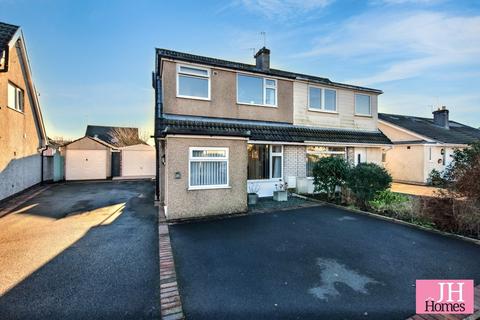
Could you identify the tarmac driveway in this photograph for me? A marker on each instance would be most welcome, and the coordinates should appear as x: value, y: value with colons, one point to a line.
x: 311, y: 263
x: 81, y: 251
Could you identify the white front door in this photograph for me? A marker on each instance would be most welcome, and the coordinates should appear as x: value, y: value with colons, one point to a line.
x: 360, y: 155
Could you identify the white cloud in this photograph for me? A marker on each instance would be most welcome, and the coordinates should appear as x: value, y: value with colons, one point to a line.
x: 412, y: 43
x: 283, y: 9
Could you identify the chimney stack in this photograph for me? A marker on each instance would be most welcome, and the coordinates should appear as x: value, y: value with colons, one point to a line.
x: 262, y: 58
x: 440, y: 117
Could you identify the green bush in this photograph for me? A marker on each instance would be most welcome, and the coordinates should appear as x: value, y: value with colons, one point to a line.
x: 436, y: 179
x: 392, y: 203
x: 328, y: 173
x: 366, y: 180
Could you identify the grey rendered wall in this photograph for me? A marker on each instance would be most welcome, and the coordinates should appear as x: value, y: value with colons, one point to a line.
x: 19, y: 174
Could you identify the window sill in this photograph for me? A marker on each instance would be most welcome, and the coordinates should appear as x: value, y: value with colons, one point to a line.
x: 265, y: 180
x: 363, y: 115
x: 322, y: 111
x: 21, y: 112
x: 208, y: 188
x: 193, y: 98
x: 256, y: 105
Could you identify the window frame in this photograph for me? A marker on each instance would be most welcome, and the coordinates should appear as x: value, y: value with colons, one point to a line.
x: 369, y: 104
x: 193, y: 75
x: 344, y: 153
x: 275, y: 154
x: 19, y: 106
x: 264, y: 91
x: 322, y: 99
x: 191, y: 159
x: 271, y: 154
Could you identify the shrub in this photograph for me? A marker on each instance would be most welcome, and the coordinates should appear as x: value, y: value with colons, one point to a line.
x: 392, y: 203
x: 366, y: 180
x: 436, y: 179
x: 464, y: 172
x: 461, y: 216
x: 328, y: 173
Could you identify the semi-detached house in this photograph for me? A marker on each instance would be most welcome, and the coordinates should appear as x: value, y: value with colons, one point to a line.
x: 222, y: 126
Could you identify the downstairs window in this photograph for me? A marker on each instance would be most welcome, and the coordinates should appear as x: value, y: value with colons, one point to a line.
x: 208, y: 168
x: 315, y: 152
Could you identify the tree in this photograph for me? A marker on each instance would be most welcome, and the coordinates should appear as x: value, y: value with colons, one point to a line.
x: 463, y: 174
x: 328, y: 173
x: 366, y: 180
x: 125, y: 136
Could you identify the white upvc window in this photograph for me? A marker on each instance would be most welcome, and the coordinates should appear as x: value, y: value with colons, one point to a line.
x: 265, y: 162
x: 208, y: 168
x: 257, y: 91
x: 363, y: 104
x: 322, y: 99
x: 15, y: 97
x: 193, y: 82
x: 314, y: 153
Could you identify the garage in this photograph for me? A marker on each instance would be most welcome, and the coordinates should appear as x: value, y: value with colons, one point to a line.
x: 87, y: 159
x: 138, y: 161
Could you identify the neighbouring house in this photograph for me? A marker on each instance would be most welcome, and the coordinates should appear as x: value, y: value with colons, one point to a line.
x: 22, y: 132
x: 223, y: 127
x: 109, y: 152
x: 421, y: 145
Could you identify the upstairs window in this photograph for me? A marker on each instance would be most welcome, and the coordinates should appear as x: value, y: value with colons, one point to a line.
x: 320, y: 99
x: 256, y: 90
x: 15, y: 97
x: 193, y: 82
x: 363, y: 104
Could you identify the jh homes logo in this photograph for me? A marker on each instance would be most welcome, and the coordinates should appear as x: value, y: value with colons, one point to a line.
x: 444, y: 296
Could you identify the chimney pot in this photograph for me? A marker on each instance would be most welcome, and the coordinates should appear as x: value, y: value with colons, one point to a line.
x: 441, y: 117
x: 262, y: 58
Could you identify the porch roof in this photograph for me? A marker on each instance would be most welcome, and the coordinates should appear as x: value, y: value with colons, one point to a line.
x: 264, y: 131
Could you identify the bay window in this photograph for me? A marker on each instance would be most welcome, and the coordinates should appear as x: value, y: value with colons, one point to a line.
x: 314, y: 153
x: 193, y: 82
x: 322, y: 99
x: 363, y: 104
x: 256, y: 90
x: 208, y: 168
x: 265, y: 162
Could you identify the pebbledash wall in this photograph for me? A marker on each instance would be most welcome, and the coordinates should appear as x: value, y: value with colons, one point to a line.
x: 184, y: 203
x: 20, y: 138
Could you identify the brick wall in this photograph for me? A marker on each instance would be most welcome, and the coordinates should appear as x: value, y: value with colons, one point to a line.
x: 294, y: 161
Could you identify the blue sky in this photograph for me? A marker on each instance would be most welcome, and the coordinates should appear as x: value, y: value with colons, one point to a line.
x: 92, y: 60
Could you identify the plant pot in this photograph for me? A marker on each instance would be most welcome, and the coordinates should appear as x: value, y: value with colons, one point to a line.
x: 252, y: 199
x: 280, y: 195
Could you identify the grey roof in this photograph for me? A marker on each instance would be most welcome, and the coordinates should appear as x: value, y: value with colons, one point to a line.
x: 457, y: 134
x: 106, y: 134
x: 166, y: 53
x: 6, y: 33
x: 264, y: 131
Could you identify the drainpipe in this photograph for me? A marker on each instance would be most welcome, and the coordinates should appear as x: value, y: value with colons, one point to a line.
x: 41, y: 162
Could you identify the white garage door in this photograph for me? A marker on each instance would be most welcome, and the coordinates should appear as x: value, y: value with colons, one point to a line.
x: 86, y: 164
x: 138, y: 163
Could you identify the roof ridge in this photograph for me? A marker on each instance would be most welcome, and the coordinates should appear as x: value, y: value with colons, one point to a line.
x: 253, y: 68
x: 9, y: 24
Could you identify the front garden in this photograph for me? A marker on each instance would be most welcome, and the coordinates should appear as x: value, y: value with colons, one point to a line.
x: 455, y: 209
